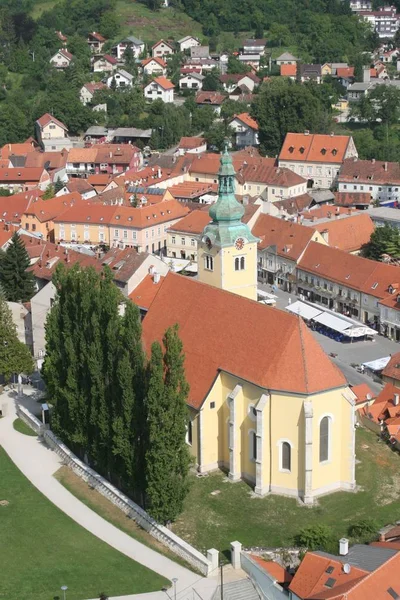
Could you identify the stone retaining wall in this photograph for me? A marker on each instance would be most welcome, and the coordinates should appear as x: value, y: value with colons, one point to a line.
x: 206, y: 565
x: 29, y: 419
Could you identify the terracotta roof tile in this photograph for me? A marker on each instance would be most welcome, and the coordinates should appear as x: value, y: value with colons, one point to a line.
x: 123, y: 263
x: 47, y: 160
x: 110, y: 59
x: 345, y: 72
x: 314, y: 147
x: 144, y: 294
x: 295, y: 204
x: 290, y: 239
x: 50, y: 255
x: 94, y: 86
x: 155, y: 59
x: 21, y: 174
x: 48, y: 118
x: 193, y: 223
x: 347, y: 233
x: 377, y: 584
x: 5, y: 235
x: 97, y: 36
x: 363, y: 393
x: 289, y: 358
x: 24, y: 149
x: 392, y: 369
x: 188, y: 143
x: 192, y: 189
x: 369, y: 172
x: 288, y: 70
x: 213, y: 98
x: 247, y: 120
x: 273, y: 568
x: 148, y: 216
x: 48, y: 210
x: 163, y: 82
x: 163, y: 42
x: 352, y: 198
x: 85, y: 212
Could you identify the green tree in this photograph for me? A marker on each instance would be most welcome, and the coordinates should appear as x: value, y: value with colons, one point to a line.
x: 235, y: 66
x: 59, y: 184
x: 315, y: 537
x: 216, y: 137
x: 18, y: 283
x: 167, y: 456
x: 15, y: 357
x: 49, y: 192
x: 384, y: 240
x: 279, y: 35
x: 211, y: 82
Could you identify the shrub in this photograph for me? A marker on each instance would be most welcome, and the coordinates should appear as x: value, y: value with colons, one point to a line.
x: 362, y: 527
x: 315, y: 537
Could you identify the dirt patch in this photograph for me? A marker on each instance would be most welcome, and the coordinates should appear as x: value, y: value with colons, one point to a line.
x: 4, y: 503
x: 389, y: 492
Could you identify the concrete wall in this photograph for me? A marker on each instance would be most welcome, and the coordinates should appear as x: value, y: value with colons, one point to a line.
x: 265, y: 583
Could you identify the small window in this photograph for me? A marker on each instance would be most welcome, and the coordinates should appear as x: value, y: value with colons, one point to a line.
x: 324, y: 440
x: 189, y: 436
x: 286, y: 456
x: 173, y: 240
x: 253, y: 445
x: 212, y: 404
x: 208, y: 262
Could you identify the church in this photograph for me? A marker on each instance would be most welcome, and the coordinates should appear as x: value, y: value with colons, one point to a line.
x: 266, y: 403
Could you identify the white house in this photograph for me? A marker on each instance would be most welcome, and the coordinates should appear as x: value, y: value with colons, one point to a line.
x: 162, y: 48
x: 188, y: 42
x: 61, y: 59
x: 254, y: 46
x: 191, y: 81
x: 160, y: 88
x: 122, y: 79
x: 105, y: 64
x: 246, y: 130
x: 88, y: 90
x: 52, y: 134
x: 96, y: 42
x: 378, y: 178
x: 286, y: 59
x: 132, y: 42
x: 154, y: 66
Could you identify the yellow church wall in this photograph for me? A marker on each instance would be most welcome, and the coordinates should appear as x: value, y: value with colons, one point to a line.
x: 213, y: 277
x: 213, y: 429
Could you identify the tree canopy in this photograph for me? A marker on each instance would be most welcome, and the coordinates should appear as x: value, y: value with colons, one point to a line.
x: 15, y: 357
x: 384, y: 240
x: 18, y: 283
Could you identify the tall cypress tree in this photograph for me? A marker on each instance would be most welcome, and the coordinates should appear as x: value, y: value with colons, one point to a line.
x: 15, y: 357
x: 17, y: 282
x: 167, y: 455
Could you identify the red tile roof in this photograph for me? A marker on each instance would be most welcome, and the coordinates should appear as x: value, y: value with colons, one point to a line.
x: 94, y: 86
x: 345, y: 72
x: 97, y: 36
x: 392, y: 369
x: 110, y: 59
x: 5, y: 235
x: 47, y: 160
x: 193, y: 223
x: 156, y: 59
x: 87, y: 212
x: 48, y: 118
x: 120, y: 154
x: 247, y: 120
x: 368, y: 276
x: 65, y: 53
x: 314, y: 148
x: 144, y: 294
x: 50, y: 255
x: 288, y: 70
x: 377, y: 584
x: 188, y: 143
x: 290, y: 239
x: 289, y: 358
x: 48, y: 210
x: 213, y: 98
x: 21, y: 174
x: 369, y: 172
x: 163, y: 82
x: 347, y: 233
x: 273, y: 568
x: 311, y: 577
x: 23, y: 149
x: 363, y: 393
x: 352, y: 198
x: 192, y: 189
x: 295, y: 204
x: 13, y: 207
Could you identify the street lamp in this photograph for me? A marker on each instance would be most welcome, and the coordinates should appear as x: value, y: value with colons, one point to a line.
x: 64, y: 589
x: 174, y: 581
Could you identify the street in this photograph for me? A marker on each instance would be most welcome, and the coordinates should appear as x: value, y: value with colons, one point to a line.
x: 347, y: 354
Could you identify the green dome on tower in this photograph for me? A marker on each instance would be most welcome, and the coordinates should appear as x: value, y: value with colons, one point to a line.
x: 226, y: 213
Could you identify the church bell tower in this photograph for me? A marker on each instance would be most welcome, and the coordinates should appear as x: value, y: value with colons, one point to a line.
x: 227, y: 256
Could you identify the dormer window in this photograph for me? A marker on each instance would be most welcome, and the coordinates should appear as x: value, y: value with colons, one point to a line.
x: 334, y: 152
x: 398, y: 298
x: 291, y: 149
x: 302, y: 149
x: 323, y: 151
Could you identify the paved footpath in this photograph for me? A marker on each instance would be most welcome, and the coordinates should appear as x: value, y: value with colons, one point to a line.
x: 39, y: 463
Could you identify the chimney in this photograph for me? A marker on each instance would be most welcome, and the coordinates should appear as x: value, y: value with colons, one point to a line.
x: 306, y: 132
x: 151, y: 270
x: 156, y: 277
x: 385, y: 166
x: 332, y: 133
x: 343, y: 547
x: 366, y: 75
x: 396, y: 399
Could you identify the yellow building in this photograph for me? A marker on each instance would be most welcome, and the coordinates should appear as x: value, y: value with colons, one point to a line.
x: 266, y: 403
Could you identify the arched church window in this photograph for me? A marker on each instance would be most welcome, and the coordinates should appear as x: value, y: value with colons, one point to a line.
x: 324, y: 432
x: 237, y: 263
x: 286, y: 456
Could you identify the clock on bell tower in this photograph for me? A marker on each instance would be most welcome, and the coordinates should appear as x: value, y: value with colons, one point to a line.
x: 227, y: 256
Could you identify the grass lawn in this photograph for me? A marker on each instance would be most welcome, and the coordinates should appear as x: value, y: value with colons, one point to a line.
x: 40, y: 7
x: 151, y: 26
x: 42, y: 549
x: 22, y: 427
x: 213, y: 521
x: 103, y: 507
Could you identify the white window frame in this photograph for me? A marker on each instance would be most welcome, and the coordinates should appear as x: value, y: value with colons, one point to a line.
x: 280, y: 446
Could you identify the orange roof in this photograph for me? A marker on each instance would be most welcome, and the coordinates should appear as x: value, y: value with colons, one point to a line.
x: 383, y: 403
x: 50, y: 255
x: 290, y: 239
x: 13, y: 207
x: 315, y: 570
x: 273, y: 568
x: 345, y: 72
x: 94, y: 86
x: 377, y: 584
x: 188, y: 143
x: 163, y: 82
x: 213, y: 98
x: 103, y: 153
x: 47, y: 210
x: 247, y: 120
x: 17, y: 149
x: 363, y: 393
x: 148, y: 216
x: 48, y: 160
x: 194, y: 222
x: 314, y: 148
x: 288, y: 70
x: 192, y: 189
x: 99, y: 179
x: 48, y: 118
x: 84, y: 212
x: 163, y: 42
x: 82, y: 155
x: 5, y: 235
x: 21, y: 174
x: 156, y: 59
x: 288, y: 359
x: 348, y: 233
x: 143, y: 295
x: 392, y: 369
x: 368, y: 276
